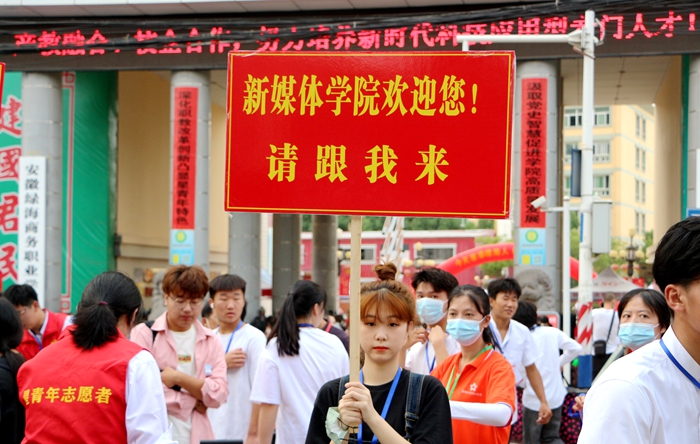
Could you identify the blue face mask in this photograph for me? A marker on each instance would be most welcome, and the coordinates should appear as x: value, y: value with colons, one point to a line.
x: 464, y: 331
x: 634, y: 335
x: 430, y: 310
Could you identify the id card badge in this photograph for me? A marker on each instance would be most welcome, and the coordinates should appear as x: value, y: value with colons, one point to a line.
x: 207, y: 370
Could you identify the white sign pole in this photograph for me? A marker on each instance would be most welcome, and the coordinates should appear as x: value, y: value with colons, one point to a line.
x: 355, y: 269
x: 32, y: 224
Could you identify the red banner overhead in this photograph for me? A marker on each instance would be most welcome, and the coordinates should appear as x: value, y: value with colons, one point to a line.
x: 415, y: 134
x: 2, y: 79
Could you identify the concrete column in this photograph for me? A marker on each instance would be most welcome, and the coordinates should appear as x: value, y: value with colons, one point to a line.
x: 42, y: 113
x: 693, y: 165
x: 668, y: 147
x: 286, y: 256
x: 531, y: 275
x: 324, y: 264
x: 244, y: 256
x: 201, y: 80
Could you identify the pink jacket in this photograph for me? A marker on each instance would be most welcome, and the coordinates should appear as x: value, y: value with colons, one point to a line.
x: 210, y: 365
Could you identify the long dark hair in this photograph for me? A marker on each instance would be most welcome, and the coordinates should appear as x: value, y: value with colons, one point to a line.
x: 299, y: 303
x: 11, y: 332
x: 652, y: 299
x: 106, y: 298
x: 481, y: 300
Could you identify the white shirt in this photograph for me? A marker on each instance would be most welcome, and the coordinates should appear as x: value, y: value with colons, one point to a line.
x: 240, y: 382
x: 292, y: 382
x: 643, y: 398
x: 550, y: 340
x: 518, y: 347
x: 184, y: 344
x: 416, y: 360
x: 601, y: 324
x: 146, y: 415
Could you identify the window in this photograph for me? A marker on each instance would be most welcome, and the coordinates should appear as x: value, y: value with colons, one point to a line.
x: 637, y: 125
x: 601, y: 151
x: 637, y: 157
x: 644, y: 129
x: 438, y: 254
x: 636, y: 190
x: 602, y: 116
x: 368, y: 254
x: 636, y: 221
x: 644, y: 160
x: 601, y: 185
x: 644, y: 192
x: 573, y: 117
x: 644, y: 223
x: 567, y: 184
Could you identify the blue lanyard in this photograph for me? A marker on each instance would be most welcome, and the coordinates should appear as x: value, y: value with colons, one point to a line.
x: 680, y: 367
x: 306, y: 325
x: 36, y: 338
x: 387, y: 403
x: 427, y: 360
x: 231, y: 338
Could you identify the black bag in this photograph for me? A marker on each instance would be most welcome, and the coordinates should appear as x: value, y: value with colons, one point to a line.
x: 600, y: 345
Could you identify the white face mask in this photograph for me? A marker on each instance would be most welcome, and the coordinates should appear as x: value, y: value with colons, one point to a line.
x: 464, y: 331
x: 431, y: 311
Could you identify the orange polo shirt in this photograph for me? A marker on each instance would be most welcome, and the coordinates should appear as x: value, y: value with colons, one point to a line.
x: 489, y: 379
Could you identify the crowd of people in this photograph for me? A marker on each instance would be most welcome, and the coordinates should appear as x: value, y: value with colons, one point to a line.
x: 441, y: 363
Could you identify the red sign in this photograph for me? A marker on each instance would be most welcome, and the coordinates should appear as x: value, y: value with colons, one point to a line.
x: 184, y: 157
x: 533, y: 145
x: 421, y: 134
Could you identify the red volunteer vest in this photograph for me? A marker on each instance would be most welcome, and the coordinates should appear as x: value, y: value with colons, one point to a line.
x: 73, y: 395
x: 29, y: 347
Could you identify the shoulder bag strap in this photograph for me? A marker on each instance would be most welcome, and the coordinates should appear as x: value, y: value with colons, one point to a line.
x: 415, y: 386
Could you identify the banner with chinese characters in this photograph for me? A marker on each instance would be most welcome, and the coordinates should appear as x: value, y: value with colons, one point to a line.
x: 419, y: 134
x: 32, y: 220
x: 10, y: 151
x: 2, y: 76
x: 533, y: 163
x: 184, y: 177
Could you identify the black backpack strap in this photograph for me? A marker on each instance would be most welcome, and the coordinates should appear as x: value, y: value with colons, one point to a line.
x: 341, y: 386
x: 415, y: 387
x: 149, y: 324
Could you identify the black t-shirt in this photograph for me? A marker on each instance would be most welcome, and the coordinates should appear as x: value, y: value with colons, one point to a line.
x: 11, y: 409
x: 434, y: 425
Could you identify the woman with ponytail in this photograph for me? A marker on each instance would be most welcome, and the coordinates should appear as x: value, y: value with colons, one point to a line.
x: 298, y: 360
x: 93, y: 384
x: 390, y: 405
x: 11, y: 410
x: 479, y: 381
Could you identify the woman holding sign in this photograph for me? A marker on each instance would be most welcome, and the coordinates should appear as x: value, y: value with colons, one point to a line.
x: 479, y: 380
x: 415, y: 407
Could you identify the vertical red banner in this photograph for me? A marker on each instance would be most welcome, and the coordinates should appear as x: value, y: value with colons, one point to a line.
x: 2, y: 77
x: 533, y: 151
x: 184, y: 157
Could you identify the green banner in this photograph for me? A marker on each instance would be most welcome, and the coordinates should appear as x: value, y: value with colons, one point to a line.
x: 10, y: 150
x: 89, y: 178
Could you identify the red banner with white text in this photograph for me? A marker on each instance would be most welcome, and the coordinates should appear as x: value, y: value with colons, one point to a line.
x: 533, y: 146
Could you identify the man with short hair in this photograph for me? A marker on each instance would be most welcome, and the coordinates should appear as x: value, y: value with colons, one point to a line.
x: 605, y: 327
x: 429, y: 347
x: 237, y: 419
x: 190, y: 356
x: 41, y: 327
x: 654, y: 393
x: 515, y: 341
